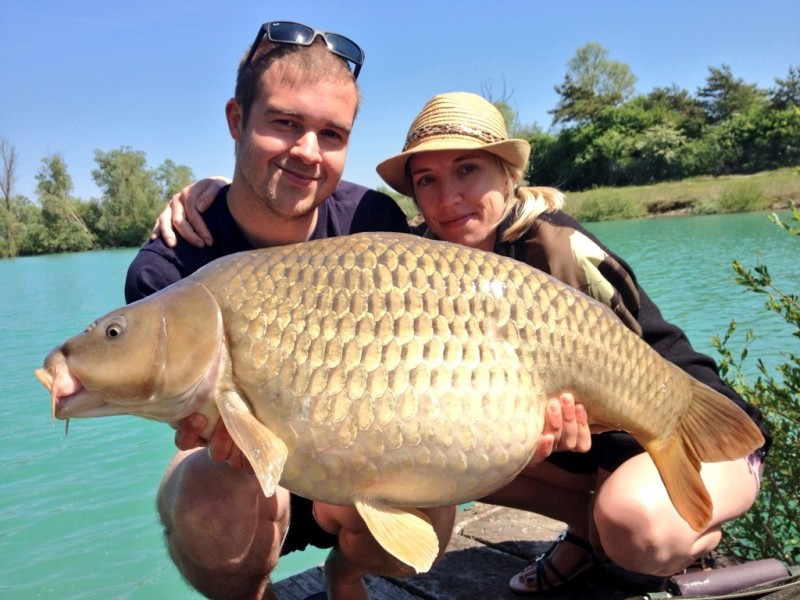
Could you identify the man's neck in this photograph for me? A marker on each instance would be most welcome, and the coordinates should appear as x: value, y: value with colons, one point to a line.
x: 263, y: 228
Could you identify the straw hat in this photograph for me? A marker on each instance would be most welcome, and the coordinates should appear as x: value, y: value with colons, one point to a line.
x: 454, y: 121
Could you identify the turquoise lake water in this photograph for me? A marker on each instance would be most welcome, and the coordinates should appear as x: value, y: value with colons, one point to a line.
x: 77, y: 517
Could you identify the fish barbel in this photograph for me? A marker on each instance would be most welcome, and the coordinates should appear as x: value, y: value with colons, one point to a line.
x: 389, y: 372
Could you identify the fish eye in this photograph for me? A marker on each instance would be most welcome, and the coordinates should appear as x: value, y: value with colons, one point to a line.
x: 115, y: 328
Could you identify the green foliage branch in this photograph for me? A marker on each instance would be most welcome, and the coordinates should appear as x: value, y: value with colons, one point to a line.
x: 772, y: 527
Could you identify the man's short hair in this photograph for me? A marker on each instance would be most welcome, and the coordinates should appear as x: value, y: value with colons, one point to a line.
x: 306, y: 63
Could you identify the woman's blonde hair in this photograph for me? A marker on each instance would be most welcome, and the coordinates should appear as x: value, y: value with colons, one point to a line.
x: 525, y: 203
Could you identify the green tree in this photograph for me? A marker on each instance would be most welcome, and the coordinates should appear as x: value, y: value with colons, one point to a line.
x: 131, y: 197
x: 592, y: 83
x: 8, y: 174
x: 25, y: 215
x: 60, y: 229
x: 173, y: 178
x: 9, y: 227
x: 787, y: 91
x: 623, y: 145
x: 548, y: 164
x: 676, y: 107
x: 756, y: 139
x: 723, y: 95
x: 772, y: 527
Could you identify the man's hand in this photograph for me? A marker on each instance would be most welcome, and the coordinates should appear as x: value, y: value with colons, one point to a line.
x: 220, y: 447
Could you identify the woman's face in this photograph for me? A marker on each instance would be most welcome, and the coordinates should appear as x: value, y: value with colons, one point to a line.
x: 461, y: 194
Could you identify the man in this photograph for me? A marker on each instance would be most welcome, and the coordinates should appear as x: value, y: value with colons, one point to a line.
x: 295, y: 103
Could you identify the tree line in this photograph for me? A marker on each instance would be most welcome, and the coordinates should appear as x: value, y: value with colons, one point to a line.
x: 133, y: 194
x: 605, y: 135
x: 602, y: 134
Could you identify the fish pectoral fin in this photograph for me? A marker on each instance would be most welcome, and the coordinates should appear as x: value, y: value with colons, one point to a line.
x: 405, y: 533
x: 266, y: 451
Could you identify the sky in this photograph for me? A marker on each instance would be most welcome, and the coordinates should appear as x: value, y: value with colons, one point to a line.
x: 154, y: 75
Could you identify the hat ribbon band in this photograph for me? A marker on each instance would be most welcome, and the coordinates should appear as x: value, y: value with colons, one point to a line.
x: 437, y: 130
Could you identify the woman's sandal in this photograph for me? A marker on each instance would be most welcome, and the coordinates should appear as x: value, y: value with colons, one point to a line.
x: 527, y: 582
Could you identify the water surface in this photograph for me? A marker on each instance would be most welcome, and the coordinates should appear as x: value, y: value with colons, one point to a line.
x: 77, y: 517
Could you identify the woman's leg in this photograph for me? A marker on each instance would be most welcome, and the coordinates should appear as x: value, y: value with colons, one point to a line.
x: 639, y: 528
x: 559, y: 494
x: 550, y: 491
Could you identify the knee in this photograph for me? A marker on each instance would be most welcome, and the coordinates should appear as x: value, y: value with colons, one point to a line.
x: 644, y: 536
x: 218, y: 526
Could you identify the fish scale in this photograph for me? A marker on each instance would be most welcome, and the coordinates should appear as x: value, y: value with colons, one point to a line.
x: 387, y: 370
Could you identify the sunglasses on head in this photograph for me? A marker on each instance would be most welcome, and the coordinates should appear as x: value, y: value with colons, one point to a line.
x: 288, y: 32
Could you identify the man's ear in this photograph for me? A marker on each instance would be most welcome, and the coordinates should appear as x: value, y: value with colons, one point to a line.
x: 234, y: 116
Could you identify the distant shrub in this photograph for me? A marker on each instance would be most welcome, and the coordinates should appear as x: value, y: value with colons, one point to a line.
x: 608, y: 206
x: 707, y: 206
x: 743, y: 197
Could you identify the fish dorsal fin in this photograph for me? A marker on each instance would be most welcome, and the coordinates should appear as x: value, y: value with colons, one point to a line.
x: 266, y: 451
x: 405, y: 533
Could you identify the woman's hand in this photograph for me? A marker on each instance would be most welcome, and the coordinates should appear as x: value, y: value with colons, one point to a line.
x: 184, y: 213
x: 566, y: 428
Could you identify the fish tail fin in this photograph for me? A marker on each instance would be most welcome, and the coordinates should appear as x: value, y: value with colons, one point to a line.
x: 679, y: 467
x: 733, y: 433
x: 405, y: 533
x: 712, y: 429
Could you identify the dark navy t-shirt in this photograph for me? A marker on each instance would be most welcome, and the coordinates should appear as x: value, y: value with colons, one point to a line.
x: 350, y: 209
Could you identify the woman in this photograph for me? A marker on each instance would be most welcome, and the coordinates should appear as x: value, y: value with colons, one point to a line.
x: 464, y: 173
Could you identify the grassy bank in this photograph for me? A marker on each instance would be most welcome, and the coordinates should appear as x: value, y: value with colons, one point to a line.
x: 701, y: 195
x: 697, y: 196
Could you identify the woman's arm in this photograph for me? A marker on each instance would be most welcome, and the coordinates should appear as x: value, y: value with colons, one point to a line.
x: 183, y: 213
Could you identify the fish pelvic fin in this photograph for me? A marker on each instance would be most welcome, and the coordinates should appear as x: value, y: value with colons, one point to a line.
x: 405, y: 533
x: 266, y: 451
x: 712, y: 429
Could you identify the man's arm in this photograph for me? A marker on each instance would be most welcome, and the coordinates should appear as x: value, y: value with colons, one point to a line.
x: 150, y: 271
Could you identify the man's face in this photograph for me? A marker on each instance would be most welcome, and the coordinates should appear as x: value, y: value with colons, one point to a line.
x: 291, y: 154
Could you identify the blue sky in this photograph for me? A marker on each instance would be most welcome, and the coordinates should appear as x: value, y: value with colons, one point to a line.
x: 155, y: 75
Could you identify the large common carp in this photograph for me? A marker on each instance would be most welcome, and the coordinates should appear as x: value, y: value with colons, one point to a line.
x: 387, y: 371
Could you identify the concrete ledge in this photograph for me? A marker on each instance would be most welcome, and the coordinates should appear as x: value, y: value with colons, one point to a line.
x: 489, y: 545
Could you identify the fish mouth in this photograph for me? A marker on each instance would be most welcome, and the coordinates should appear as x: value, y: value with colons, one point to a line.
x: 68, y: 396
x: 63, y: 386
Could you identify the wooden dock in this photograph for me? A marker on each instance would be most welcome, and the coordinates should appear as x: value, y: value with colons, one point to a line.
x: 489, y: 545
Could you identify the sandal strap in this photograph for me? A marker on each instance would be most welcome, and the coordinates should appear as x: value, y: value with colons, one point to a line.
x: 542, y: 564
x: 578, y: 541
x: 541, y: 575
